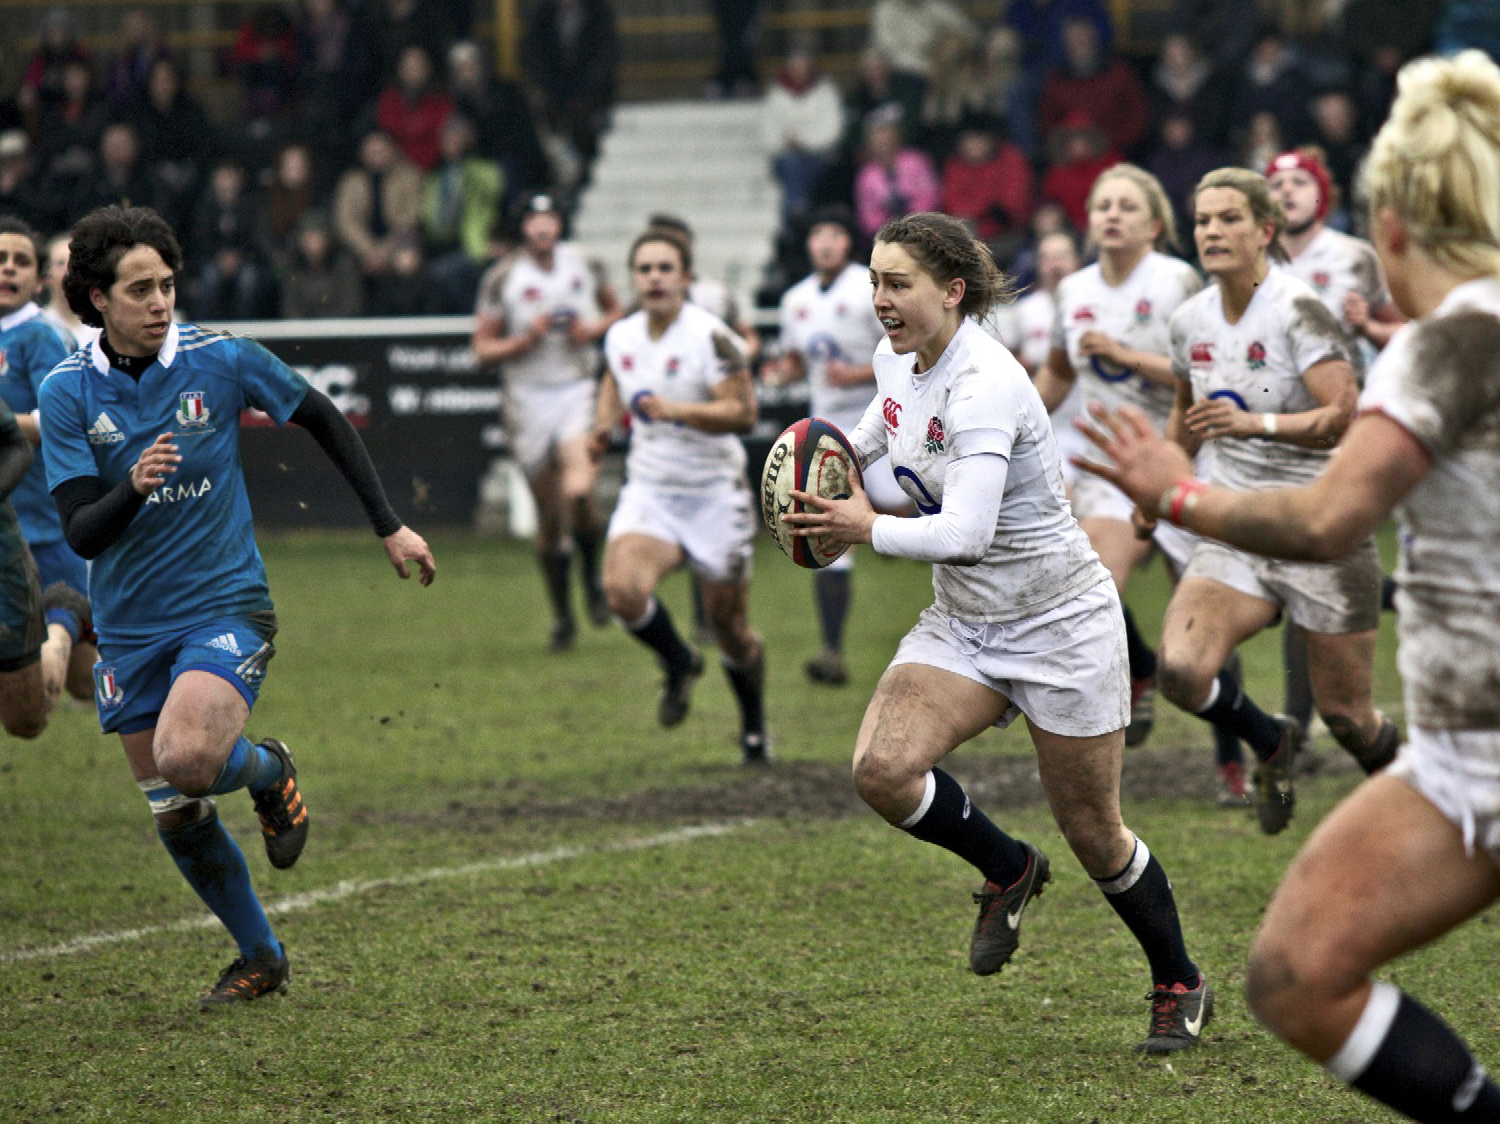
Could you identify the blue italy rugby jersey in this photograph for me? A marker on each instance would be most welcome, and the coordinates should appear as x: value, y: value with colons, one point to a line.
x: 30, y: 346
x: 189, y: 554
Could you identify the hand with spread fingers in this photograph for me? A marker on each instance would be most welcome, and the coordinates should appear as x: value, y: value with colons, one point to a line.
x: 847, y: 520
x: 1143, y: 464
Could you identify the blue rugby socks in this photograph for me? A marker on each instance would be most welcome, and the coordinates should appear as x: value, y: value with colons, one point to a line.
x: 1228, y: 706
x: 656, y: 631
x: 831, y: 592
x: 214, y: 867
x: 248, y: 766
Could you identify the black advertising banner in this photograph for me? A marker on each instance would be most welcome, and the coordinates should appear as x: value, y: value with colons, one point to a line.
x: 428, y: 414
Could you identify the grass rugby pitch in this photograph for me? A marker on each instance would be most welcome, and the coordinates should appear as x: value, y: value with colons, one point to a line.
x: 522, y: 901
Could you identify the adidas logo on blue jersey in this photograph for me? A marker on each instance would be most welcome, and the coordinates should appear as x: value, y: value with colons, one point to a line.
x: 104, y: 431
x: 225, y: 643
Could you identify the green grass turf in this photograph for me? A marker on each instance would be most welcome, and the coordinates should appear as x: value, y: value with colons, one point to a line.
x: 505, y: 920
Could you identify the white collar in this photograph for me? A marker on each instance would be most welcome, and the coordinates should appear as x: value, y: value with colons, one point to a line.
x: 19, y: 316
x: 165, y: 356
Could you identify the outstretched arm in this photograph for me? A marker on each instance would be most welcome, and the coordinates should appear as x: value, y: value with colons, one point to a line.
x: 1377, y: 465
x: 340, y: 441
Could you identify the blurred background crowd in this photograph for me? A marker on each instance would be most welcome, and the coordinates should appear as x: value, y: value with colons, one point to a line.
x: 368, y: 155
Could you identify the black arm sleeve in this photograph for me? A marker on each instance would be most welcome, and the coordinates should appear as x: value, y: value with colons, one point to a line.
x: 92, y: 517
x: 15, y: 458
x: 331, y: 430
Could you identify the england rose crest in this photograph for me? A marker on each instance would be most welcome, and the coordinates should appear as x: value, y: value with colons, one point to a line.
x: 934, y: 442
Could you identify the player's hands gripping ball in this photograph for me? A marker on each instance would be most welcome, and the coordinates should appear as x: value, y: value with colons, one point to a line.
x: 813, y: 458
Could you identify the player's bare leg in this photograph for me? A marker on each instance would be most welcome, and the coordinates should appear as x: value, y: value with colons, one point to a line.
x: 1383, y: 874
x: 23, y: 703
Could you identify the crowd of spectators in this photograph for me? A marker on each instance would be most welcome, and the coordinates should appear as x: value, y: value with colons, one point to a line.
x: 1007, y: 125
x: 361, y: 156
x: 366, y: 156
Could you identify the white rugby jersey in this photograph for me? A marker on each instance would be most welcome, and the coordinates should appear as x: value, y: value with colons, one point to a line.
x: 837, y: 322
x: 977, y: 399
x: 517, y: 290
x: 1135, y: 313
x: 1258, y: 365
x: 1336, y: 265
x: 685, y: 364
x: 1032, y: 322
x: 1439, y: 378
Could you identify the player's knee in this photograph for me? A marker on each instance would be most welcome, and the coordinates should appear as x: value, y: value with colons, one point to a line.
x: 1270, y: 990
x: 26, y: 723
x: 627, y: 597
x: 183, y: 767
x: 1098, y: 841
x: 1289, y: 983
x: 1181, y: 681
x: 880, y: 778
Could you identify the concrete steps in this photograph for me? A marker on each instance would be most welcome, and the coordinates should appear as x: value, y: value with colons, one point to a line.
x: 701, y: 161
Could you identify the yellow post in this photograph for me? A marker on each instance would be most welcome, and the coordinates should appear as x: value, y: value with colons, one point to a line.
x: 507, y: 28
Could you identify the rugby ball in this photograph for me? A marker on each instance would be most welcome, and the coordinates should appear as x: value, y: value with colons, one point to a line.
x: 810, y: 456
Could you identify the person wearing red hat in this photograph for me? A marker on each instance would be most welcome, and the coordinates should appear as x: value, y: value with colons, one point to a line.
x: 1346, y: 275
x: 1343, y: 270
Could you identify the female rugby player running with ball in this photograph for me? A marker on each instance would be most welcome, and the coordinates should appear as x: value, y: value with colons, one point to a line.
x: 1414, y: 851
x: 1026, y: 620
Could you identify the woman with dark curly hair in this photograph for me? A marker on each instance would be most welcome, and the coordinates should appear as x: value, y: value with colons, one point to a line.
x: 141, y: 442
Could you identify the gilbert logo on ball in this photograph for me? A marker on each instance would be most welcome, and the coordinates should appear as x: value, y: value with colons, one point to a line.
x: 810, y: 456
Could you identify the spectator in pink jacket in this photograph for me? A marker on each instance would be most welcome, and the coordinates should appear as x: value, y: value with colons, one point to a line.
x: 893, y: 180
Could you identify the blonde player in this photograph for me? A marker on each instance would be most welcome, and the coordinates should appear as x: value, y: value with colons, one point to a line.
x: 683, y: 377
x: 1265, y: 376
x: 1110, y: 336
x: 828, y: 334
x: 1026, y: 620
x: 540, y: 315
x: 1414, y: 851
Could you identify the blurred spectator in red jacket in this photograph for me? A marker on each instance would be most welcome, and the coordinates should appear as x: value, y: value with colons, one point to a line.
x: 42, y: 83
x: 264, y: 58
x: 1080, y: 152
x: 413, y: 110
x: 1092, y: 82
x: 987, y: 182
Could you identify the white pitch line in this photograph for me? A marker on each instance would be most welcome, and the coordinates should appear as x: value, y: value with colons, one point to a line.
x: 341, y: 890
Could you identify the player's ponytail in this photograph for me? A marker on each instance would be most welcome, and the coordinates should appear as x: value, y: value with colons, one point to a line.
x: 1437, y: 160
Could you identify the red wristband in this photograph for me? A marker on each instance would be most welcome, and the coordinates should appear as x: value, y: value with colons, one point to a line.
x: 1180, y: 499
